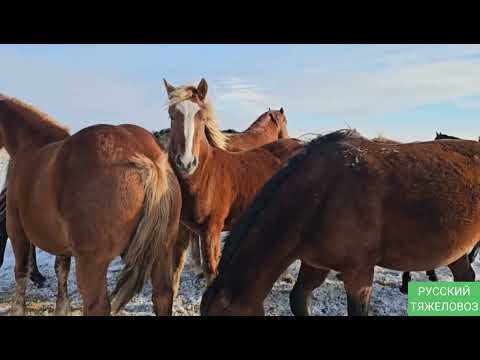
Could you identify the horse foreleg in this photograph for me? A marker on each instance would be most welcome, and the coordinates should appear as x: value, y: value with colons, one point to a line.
x: 62, y: 268
x: 185, y: 237
x: 405, y: 280
x: 432, y: 276
x: 462, y: 270
x: 473, y: 254
x: 211, y: 251
x: 196, y: 255
x: 309, y: 278
x: 37, y: 278
x: 358, y: 285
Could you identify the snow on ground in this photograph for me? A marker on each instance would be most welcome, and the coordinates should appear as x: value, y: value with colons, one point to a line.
x: 329, y: 299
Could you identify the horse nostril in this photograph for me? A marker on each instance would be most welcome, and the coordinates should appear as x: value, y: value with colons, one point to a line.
x: 178, y: 161
x: 195, y: 161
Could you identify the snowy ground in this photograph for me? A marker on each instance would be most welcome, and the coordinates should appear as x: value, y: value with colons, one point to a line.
x: 329, y: 299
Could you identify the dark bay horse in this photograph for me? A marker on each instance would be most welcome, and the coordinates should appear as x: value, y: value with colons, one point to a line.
x: 349, y: 204
x: 268, y: 127
x: 103, y: 192
x: 217, y: 185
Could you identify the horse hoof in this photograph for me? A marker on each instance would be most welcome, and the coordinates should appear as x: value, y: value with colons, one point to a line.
x: 17, y: 310
x: 63, y: 310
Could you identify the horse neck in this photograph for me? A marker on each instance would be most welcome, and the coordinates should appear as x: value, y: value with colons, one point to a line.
x: 20, y: 132
x: 263, y: 129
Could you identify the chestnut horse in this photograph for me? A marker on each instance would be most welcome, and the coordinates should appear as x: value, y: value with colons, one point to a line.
x: 103, y: 192
x: 269, y: 126
x: 349, y: 204
x: 217, y: 185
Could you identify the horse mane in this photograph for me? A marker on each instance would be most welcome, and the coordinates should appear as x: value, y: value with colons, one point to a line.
x: 253, y: 213
x: 214, y: 135
x: 30, y: 110
x: 231, y: 131
x: 383, y: 140
x: 260, y: 120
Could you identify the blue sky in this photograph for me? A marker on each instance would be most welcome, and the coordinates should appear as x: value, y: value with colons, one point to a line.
x: 405, y: 92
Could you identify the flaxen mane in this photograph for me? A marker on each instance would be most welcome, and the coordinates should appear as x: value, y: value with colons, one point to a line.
x: 215, y: 136
x: 31, y: 112
x: 252, y: 214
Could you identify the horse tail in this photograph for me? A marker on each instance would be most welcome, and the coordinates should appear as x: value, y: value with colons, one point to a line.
x: 151, y: 232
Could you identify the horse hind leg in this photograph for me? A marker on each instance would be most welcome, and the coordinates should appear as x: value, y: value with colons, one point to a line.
x: 62, y: 269
x: 37, y: 278
x: 358, y: 286
x: 22, y: 251
x: 308, y: 279
x: 462, y: 269
x: 92, y: 284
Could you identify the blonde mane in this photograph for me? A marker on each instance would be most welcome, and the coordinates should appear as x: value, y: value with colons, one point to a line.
x: 215, y: 136
x: 33, y: 111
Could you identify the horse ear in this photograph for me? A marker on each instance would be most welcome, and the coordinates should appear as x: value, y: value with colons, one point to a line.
x: 202, y: 89
x: 169, y: 87
x: 281, y: 110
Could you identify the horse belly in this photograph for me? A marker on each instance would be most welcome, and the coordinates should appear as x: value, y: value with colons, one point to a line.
x: 407, y: 251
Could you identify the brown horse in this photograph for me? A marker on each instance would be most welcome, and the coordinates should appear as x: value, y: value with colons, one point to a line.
x: 349, y: 204
x: 269, y: 126
x: 103, y: 192
x: 37, y: 278
x: 217, y: 185
x: 464, y: 261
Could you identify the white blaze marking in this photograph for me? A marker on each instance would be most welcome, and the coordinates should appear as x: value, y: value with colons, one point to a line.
x: 188, y: 109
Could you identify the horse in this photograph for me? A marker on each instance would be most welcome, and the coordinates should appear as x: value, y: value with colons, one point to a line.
x: 268, y: 127
x: 35, y: 275
x: 466, y: 260
x: 348, y: 204
x: 217, y: 185
x: 104, y: 192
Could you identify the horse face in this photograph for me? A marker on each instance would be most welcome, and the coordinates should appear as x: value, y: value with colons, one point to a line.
x: 187, y: 126
x: 219, y: 302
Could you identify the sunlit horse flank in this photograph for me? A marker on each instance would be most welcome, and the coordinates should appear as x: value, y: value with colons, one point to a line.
x: 217, y: 185
x: 349, y: 204
x: 103, y: 192
x: 463, y: 262
x: 268, y: 127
